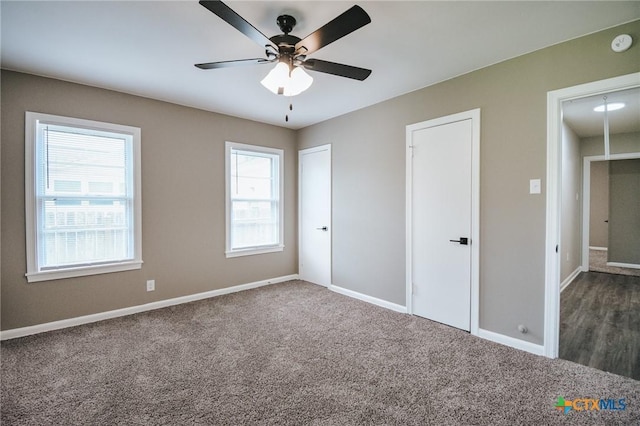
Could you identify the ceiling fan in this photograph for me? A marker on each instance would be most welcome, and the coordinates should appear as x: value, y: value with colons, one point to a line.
x: 290, y: 52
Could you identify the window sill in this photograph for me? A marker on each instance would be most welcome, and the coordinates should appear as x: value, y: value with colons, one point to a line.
x: 253, y: 250
x: 59, y: 274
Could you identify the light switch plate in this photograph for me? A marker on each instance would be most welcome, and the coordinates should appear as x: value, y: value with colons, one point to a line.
x: 534, y: 186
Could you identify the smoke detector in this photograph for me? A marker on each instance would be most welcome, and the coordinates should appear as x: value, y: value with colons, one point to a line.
x: 621, y: 43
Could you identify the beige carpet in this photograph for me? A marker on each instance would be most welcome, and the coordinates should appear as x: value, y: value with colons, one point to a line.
x: 598, y: 263
x: 292, y: 354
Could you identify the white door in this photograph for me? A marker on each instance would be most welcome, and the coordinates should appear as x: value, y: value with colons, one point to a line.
x: 314, y: 174
x: 441, y: 229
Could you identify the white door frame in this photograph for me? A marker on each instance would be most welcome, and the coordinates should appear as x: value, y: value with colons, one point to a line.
x: 302, y: 152
x: 555, y: 99
x: 474, y: 116
x: 586, y: 198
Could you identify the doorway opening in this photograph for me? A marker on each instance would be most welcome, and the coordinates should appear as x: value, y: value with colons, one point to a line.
x: 596, y: 211
x: 598, y: 309
x: 555, y: 252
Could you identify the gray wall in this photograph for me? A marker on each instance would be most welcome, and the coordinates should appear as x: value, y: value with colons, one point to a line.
x: 599, y: 204
x: 183, y: 245
x: 369, y: 176
x: 183, y: 220
x: 624, y: 211
x: 620, y: 143
x: 571, y: 202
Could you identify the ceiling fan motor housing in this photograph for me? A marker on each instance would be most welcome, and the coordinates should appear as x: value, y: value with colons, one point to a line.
x: 287, y: 49
x: 286, y: 23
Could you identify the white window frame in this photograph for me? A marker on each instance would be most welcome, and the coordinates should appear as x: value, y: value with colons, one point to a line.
x: 247, y: 251
x: 35, y: 272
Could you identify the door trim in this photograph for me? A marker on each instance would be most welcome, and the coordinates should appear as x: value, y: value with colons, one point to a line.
x: 586, y: 198
x: 302, y: 152
x: 474, y: 116
x: 554, y: 177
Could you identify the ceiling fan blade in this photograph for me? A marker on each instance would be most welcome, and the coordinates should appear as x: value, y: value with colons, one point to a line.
x: 236, y: 63
x: 336, y: 69
x: 344, y: 24
x: 238, y: 22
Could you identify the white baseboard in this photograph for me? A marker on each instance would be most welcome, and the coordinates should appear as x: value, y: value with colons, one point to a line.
x: 564, y: 284
x: 512, y: 342
x: 369, y: 299
x: 86, y: 319
x: 598, y: 248
x: 624, y: 265
x: 484, y: 334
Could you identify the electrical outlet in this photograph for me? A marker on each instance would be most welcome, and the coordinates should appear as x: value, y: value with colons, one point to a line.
x: 151, y: 285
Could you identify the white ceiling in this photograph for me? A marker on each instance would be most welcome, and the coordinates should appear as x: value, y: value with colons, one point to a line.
x: 586, y: 122
x: 148, y: 48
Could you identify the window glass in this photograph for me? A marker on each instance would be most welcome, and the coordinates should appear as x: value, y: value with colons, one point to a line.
x: 85, y: 209
x: 254, y: 216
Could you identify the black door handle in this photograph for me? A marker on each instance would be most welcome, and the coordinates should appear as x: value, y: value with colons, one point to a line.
x: 324, y: 228
x: 463, y: 241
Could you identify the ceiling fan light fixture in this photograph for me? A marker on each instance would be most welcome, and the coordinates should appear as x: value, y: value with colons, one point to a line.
x: 281, y: 82
x: 299, y: 81
x: 610, y: 107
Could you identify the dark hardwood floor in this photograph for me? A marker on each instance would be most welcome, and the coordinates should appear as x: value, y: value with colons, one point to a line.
x: 600, y: 323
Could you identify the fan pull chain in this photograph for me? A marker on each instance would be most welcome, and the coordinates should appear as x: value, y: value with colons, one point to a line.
x: 286, y: 117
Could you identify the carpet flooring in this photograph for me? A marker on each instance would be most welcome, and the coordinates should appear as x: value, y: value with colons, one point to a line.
x: 291, y: 353
x: 598, y: 263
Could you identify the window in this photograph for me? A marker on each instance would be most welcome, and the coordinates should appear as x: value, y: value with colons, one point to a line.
x: 82, y: 197
x: 254, y: 199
